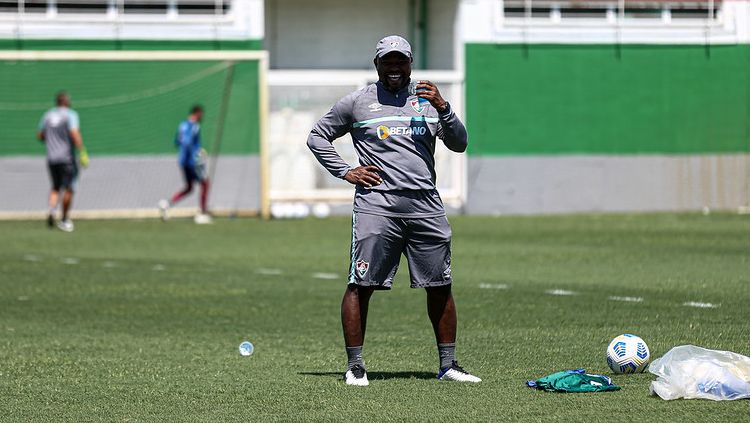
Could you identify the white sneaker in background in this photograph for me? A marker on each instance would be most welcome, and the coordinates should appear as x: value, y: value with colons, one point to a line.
x: 164, y: 209
x: 203, y: 219
x: 65, y: 225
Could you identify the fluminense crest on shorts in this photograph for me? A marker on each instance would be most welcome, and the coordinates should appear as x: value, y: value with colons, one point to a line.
x: 362, y: 267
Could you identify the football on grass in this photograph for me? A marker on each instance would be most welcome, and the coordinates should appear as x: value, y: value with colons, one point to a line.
x: 628, y: 354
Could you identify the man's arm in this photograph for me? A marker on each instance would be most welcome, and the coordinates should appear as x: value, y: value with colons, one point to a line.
x: 83, y: 155
x: 182, y: 137
x: 75, y: 136
x: 40, y: 128
x: 336, y: 123
x: 452, y: 131
x: 450, y: 128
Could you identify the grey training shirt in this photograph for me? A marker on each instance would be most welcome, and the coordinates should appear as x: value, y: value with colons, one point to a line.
x: 56, y: 125
x: 396, y: 133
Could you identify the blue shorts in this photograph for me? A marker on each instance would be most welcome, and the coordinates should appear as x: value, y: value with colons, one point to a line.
x: 193, y: 173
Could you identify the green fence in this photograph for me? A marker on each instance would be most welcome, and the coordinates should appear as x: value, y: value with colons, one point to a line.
x: 606, y: 99
x: 131, y: 107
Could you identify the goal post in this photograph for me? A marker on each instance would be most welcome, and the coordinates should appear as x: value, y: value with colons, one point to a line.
x: 130, y: 103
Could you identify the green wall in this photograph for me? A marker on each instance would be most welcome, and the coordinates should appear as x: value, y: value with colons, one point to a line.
x: 57, y: 44
x: 129, y: 107
x: 604, y: 99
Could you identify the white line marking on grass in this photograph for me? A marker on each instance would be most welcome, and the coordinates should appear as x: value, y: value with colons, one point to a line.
x: 268, y: 272
x: 32, y: 258
x: 626, y: 299
x: 562, y: 292
x: 322, y: 275
x: 493, y: 286
x: 23, y: 298
x: 109, y: 264
x: 70, y: 260
x: 699, y: 304
x: 158, y: 267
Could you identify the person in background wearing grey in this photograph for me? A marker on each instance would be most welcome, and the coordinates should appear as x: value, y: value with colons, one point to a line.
x: 59, y: 130
x: 397, y: 209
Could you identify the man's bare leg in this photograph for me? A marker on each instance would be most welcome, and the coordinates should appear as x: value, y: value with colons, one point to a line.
x: 354, y: 321
x: 179, y: 195
x: 66, y: 202
x: 442, y: 312
x: 354, y: 314
x: 54, y: 197
x: 204, y: 196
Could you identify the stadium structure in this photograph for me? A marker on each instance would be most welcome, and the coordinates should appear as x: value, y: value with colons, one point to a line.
x: 571, y: 106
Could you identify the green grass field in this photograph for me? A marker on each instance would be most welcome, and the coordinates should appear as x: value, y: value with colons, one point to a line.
x: 139, y: 321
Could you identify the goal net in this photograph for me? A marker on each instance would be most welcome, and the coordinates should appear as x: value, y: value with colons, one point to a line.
x: 130, y: 104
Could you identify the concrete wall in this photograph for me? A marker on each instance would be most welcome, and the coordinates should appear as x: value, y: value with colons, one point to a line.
x: 331, y: 34
x: 128, y: 183
x: 597, y: 183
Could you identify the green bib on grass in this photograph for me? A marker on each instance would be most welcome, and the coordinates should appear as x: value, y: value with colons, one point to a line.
x: 574, y: 381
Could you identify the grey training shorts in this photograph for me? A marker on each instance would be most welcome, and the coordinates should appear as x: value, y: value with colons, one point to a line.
x: 379, y: 241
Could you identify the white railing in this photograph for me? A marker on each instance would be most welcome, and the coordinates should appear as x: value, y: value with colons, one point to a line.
x: 98, y: 11
x: 125, y: 20
x: 618, y: 21
x: 116, y: 13
x: 630, y: 13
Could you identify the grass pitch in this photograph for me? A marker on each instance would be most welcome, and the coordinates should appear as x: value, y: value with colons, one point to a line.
x: 129, y: 321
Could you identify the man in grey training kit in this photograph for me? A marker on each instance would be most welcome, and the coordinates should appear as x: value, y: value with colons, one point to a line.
x: 59, y: 130
x: 397, y: 210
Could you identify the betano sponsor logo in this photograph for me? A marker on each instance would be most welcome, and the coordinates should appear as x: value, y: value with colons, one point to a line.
x: 385, y: 131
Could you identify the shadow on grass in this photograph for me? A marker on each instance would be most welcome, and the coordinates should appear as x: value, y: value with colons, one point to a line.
x: 378, y: 375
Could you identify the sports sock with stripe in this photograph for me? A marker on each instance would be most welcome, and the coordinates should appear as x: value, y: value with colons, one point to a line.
x: 354, y: 356
x: 447, y: 354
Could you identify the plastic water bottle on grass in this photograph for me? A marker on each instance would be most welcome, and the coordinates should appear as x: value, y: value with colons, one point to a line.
x: 246, y: 349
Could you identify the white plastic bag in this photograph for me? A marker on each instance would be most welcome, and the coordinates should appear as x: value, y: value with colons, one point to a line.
x: 690, y: 372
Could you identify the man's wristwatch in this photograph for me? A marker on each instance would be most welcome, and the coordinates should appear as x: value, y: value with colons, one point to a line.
x: 447, y: 109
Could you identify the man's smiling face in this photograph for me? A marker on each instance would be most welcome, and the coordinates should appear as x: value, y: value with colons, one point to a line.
x: 394, y: 70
